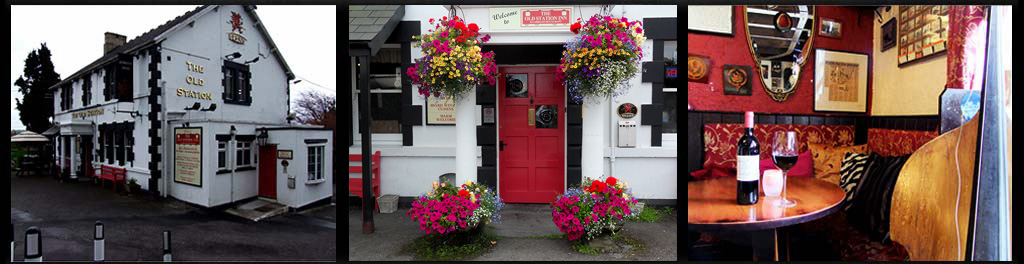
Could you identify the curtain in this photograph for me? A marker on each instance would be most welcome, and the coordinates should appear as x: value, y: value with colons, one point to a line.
x: 965, y: 59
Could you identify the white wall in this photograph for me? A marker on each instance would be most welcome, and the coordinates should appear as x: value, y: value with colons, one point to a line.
x: 409, y: 170
x: 893, y: 85
x: 208, y: 43
x: 305, y: 191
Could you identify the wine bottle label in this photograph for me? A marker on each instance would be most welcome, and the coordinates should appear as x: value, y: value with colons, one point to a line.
x: 747, y: 167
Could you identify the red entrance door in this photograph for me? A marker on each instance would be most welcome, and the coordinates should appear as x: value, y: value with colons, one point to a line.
x: 268, y: 171
x: 531, y: 126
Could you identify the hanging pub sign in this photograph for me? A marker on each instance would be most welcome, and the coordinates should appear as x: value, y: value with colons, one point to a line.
x: 236, y: 25
x: 627, y: 110
x: 440, y: 112
x: 188, y: 155
x: 518, y: 18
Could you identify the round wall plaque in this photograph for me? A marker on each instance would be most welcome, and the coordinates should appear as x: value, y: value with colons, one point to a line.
x: 627, y: 110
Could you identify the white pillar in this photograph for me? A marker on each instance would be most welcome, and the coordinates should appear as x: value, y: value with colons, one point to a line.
x: 74, y: 156
x: 592, y: 158
x: 465, y: 138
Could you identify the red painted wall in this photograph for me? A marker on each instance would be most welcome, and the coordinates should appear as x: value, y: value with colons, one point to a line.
x: 722, y: 49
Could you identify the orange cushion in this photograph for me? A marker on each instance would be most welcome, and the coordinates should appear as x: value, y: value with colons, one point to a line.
x: 828, y: 159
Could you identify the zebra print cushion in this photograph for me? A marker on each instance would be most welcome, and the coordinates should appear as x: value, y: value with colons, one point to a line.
x: 850, y: 175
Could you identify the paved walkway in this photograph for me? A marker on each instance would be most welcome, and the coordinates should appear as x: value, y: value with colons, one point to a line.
x: 395, y: 231
x: 66, y: 212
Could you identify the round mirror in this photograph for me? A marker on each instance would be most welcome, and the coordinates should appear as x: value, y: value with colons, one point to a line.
x: 780, y: 39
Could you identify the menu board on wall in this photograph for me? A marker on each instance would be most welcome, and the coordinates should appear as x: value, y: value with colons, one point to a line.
x: 516, y: 18
x: 923, y: 31
x: 188, y: 155
x: 440, y: 112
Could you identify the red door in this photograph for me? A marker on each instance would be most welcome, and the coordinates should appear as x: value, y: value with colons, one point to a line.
x: 531, y: 124
x: 268, y: 171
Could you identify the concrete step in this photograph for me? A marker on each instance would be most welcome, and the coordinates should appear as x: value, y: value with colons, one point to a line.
x: 258, y: 209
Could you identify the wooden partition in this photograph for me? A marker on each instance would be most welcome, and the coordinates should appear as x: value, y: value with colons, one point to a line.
x: 923, y: 201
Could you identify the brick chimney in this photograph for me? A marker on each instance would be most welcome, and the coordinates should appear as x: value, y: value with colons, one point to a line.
x: 112, y: 41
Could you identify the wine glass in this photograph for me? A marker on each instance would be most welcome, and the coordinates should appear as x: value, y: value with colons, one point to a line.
x: 785, y: 155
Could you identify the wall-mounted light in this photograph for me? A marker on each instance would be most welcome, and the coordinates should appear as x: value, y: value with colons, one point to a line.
x: 233, y: 130
x: 262, y: 138
x: 232, y: 56
x: 253, y: 60
x: 194, y: 107
x: 211, y: 108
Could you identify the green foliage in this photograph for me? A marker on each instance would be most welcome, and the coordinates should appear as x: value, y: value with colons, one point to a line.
x: 38, y: 75
x: 447, y: 247
x: 650, y: 215
x: 636, y: 244
x: 582, y: 247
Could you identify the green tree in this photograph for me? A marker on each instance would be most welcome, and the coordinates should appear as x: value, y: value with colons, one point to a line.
x: 37, y: 104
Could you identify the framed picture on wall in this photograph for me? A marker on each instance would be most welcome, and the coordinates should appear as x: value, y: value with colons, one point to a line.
x: 840, y: 81
x: 698, y: 67
x: 736, y: 79
x: 830, y: 28
x: 710, y: 19
x: 889, y: 34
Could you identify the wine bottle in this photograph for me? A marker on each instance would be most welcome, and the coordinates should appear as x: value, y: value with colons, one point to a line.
x: 747, y: 164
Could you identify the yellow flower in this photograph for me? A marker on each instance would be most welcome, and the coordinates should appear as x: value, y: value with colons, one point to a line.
x: 468, y: 182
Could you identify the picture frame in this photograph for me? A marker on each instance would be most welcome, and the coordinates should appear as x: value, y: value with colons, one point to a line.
x: 830, y: 28
x: 736, y: 80
x: 921, y: 32
x: 840, y: 81
x: 698, y: 68
x: 889, y: 34
x: 712, y: 19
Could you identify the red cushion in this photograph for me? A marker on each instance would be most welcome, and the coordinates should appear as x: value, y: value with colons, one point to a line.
x: 894, y: 142
x: 804, y: 166
x: 713, y: 172
x: 720, y: 139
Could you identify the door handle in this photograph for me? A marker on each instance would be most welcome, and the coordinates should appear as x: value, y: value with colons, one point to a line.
x: 501, y: 146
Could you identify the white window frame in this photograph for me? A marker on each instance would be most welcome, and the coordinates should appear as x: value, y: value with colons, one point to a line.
x: 222, y: 148
x: 315, y: 159
x: 242, y: 146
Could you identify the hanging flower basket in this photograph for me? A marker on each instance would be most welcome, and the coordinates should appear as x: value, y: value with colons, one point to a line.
x: 593, y: 208
x: 603, y: 58
x: 447, y: 209
x: 452, y: 63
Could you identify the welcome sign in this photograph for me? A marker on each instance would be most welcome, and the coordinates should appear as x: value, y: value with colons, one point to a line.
x: 440, y: 112
x: 188, y: 155
x: 519, y: 18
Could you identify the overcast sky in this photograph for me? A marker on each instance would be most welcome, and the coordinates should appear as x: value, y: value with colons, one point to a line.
x: 74, y: 34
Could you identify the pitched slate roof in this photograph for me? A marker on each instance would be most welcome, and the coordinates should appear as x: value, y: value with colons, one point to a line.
x: 370, y: 25
x: 149, y: 38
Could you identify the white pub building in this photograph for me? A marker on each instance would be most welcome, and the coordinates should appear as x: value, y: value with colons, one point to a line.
x: 195, y: 109
x: 524, y: 134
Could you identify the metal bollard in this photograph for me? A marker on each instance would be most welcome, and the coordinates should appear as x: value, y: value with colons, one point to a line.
x: 97, y: 242
x: 167, y: 246
x: 33, y: 245
x: 12, y: 242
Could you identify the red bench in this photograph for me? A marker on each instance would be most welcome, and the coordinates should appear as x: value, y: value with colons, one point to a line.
x: 355, y: 185
x: 112, y: 174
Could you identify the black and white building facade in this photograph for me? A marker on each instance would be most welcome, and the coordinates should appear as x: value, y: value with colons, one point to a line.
x: 195, y: 109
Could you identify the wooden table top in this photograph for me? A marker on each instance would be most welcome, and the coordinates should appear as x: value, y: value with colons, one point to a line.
x: 711, y: 205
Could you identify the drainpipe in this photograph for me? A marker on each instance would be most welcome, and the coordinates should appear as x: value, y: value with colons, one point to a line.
x: 612, y: 139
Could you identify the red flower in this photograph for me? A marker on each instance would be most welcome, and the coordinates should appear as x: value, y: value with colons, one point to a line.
x: 575, y: 28
x: 463, y: 193
x: 456, y: 17
x: 473, y: 27
x: 461, y: 39
x: 611, y: 181
x: 444, y: 18
x: 599, y: 186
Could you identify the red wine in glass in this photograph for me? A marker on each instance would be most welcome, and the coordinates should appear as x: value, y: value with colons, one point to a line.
x: 784, y: 162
